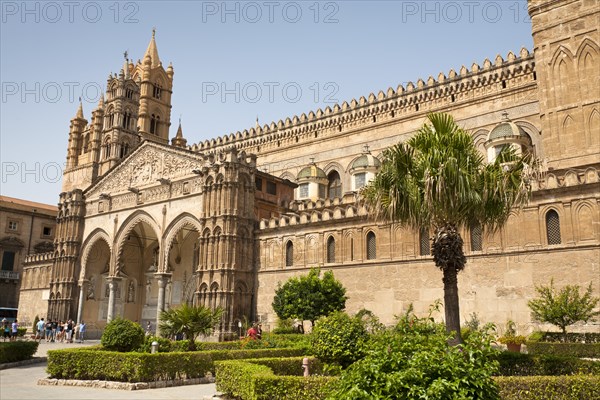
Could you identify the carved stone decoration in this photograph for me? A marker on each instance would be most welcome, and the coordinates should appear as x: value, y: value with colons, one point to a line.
x: 150, y: 163
x: 131, y: 292
x: 91, y: 288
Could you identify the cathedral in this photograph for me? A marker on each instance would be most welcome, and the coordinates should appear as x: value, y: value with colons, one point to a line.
x: 147, y: 222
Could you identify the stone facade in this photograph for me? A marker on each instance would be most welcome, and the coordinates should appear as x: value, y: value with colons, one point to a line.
x: 25, y: 227
x: 144, y: 225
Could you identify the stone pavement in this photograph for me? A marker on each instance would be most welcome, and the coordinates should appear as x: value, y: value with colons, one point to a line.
x: 21, y: 383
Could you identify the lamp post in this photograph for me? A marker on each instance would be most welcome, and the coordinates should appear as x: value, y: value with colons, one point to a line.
x: 240, y: 327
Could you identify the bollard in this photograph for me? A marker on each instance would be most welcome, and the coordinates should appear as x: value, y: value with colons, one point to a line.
x: 305, y: 366
x: 154, y: 347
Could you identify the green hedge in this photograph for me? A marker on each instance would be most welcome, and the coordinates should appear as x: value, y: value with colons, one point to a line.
x: 17, y: 351
x: 269, y: 341
x: 519, y: 364
x: 591, y: 350
x: 143, y: 367
x: 280, y: 379
x: 572, y: 337
x: 578, y: 387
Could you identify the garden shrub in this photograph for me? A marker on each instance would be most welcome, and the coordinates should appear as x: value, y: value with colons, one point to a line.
x: 519, y: 364
x: 273, y: 378
x: 143, y: 367
x: 17, y: 351
x: 591, y: 350
x: 122, y: 335
x: 21, y: 332
x: 414, y: 360
x: 577, y: 387
x: 339, y: 339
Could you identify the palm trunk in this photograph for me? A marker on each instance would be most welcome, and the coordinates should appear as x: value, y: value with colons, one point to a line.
x: 447, y: 250
x: 451, y: 304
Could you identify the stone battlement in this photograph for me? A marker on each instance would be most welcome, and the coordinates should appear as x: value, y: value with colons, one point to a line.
x: 465, y: 86
x: 39, y: 258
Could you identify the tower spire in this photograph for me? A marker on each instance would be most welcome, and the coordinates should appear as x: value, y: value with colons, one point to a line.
x: 79, y: 114
x: 152, y: 51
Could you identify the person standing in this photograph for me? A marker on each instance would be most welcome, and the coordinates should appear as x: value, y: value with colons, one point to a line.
x: 15, y: 330
x: 5, y: 329
x: 81, y: 331
x: 40, y: 328
x: 70, y: 331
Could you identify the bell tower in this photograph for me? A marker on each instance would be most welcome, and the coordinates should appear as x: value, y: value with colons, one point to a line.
x: 156, y: 88
x: 567, y: 57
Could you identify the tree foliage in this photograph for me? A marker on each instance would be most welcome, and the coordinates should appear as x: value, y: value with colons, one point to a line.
x: 565, y: 307
x: 308, y: 297
x: 190, y: 321
x: 439, y: 180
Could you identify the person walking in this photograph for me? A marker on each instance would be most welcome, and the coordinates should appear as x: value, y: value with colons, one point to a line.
x: 82, y: 328
x: 15, y: 330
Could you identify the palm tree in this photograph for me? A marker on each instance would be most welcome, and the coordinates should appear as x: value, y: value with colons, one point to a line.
x: 439, y: 180
x: 190, y: 321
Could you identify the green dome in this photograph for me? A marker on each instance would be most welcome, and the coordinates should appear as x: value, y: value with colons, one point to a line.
x: 507, y: 129
x: 365, y: 161
x: 312, y: 171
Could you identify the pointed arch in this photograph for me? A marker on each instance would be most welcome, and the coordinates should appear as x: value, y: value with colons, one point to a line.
x: 96, y: 235
x: 331, y: 249
x: 289, y: 253
x: 568, y: 123
x: 553, y: 235
x: 594, y: 128
x: 126, y: 227
x: 178, y: 223
x: 371, y: 249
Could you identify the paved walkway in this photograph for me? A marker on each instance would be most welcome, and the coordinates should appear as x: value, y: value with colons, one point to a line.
x: 21, y: 383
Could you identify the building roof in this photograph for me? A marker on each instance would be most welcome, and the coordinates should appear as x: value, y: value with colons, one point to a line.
x: 27, y: 205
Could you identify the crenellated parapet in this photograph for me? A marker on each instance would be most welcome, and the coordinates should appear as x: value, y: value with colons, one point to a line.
x: 38, y: 258
x: 466, y: 85
x: 311, y: 212
x: 567, y: 178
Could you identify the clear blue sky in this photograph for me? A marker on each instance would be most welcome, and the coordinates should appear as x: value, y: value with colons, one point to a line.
x: 233, y: 61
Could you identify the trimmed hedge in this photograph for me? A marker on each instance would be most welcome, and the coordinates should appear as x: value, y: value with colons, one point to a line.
x: 572, y: 337
x: 577, y: 387
x: 143, y: 367
x: 591, y: 350
x: 519, y: 364
x: 17, y: 351
x: 273, y: 378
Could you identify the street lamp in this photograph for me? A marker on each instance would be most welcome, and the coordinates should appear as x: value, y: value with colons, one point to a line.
x: 240, y: 327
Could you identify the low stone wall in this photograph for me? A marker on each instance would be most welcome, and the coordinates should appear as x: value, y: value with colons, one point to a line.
x: 125, y: 385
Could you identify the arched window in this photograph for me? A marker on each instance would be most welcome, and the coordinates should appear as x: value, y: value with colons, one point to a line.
x: 157, y: 91
x: 289, y: 254
x: 476, y: 237
x: 331, y: 250
x: 124, y: 149
x: 424, y: 248
x: 334, y: 187
x: 107, y: 148
x: 553, y: 227
x: 153, y: 124
x: 371, y: 246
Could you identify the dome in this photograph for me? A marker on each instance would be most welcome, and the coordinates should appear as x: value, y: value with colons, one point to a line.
x: 365, y: 161
x: 507, y: 129
x: 312, y: 171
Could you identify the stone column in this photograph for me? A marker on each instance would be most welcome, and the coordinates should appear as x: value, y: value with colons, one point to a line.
x: 113, y: 281
x: 82, y: 290
x: 162, y: 279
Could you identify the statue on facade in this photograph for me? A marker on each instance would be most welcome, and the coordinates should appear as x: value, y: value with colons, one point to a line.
x: 131, y: 292
x: 91, y: 286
